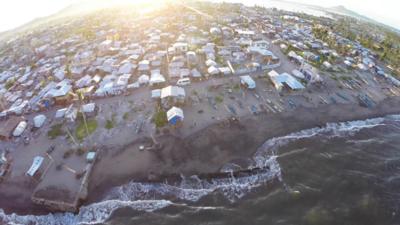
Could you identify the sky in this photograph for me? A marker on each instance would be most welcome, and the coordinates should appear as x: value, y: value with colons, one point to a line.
x: 14, y: 13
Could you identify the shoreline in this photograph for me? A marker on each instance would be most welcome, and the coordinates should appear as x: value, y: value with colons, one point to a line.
x: 203, y: 152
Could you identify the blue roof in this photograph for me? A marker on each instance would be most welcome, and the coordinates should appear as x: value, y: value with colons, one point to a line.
x: 290, y: 81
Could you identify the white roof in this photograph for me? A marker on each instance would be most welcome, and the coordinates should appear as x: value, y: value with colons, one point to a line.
x: 174, y: 111
x: 88, y: 108
x: 37, y: 162
x: 156, y: 78
x: 60, y: 113
x: 172, y: 91
x: 39, y: 120
x: 211, y: 62
x: 213, y: 70
x: 20, y: 129
x: 298, y: 74
x: 61, y: 89
x: 273, y: 73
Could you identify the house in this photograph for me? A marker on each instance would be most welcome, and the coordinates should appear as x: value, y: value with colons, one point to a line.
x: 212, y: 70
x: 126, y: 68
x: 195, y: 74
x: 172, y: 95
x: 60, y: 93
x: 180, y: 47
x: 191, y: 58
x: 263, y: 44
x: 283, y: 80
x: 39, y: 120
x: 248, y: 82
x: 84, y: 81
x: 144, y: 65
x: 225, y: 70
x: 175, y: 116
x: 143, y: 79
x: 89, y: 109
x: 156, y: 78
x: 263, y: 55
x: 60, y: 113
x: 245, y: 33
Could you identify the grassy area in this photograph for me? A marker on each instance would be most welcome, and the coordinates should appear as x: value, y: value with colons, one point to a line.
x: 80, y: 131
x: 160, y: 118
x: 109, y: 124
x: 219, y: 99
x: 55, y: 131
x: 125, y: 116
x: 9, y: 83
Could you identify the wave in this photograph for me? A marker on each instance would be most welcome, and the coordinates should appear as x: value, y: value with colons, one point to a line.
x: 153, y: 196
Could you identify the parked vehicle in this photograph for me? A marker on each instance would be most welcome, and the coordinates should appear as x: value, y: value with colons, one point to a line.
x: 183, y: 82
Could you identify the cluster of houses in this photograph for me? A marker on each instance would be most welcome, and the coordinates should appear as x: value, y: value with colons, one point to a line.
x: 62, y: 71
x: 41, y: 70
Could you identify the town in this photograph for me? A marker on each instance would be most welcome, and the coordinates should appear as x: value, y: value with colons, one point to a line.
x: 107, y: 79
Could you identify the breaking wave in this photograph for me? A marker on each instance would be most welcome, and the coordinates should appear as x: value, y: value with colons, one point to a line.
x: 150, y: 197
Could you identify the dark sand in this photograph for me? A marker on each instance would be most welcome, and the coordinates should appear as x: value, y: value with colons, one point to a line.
x: 201, y: 153
x: 205, y: 152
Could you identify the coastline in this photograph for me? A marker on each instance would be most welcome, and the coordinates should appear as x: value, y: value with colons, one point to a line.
x: 201, y: 153
x: 204, y: 152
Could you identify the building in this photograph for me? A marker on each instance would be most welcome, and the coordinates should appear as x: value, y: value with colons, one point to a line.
x: 172, y: 95
x: 175, y: 116
x: 248, y: 82
x: 284, y: 80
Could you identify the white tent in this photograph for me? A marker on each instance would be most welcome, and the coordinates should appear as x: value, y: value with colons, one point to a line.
x: 20, y: 129
x: 39, y: 120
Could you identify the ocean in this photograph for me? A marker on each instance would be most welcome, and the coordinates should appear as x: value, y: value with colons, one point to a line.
x: 341, y: 173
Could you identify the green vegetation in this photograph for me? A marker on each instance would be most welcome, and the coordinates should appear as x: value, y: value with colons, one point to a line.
x: 387, y: 47
x: 10, y: 83
x: 109, y: 124
x: 126, y: 116
x: 160, y: 118
x: 55, y: 131
x: 80, y: 131
x: 219, y: 99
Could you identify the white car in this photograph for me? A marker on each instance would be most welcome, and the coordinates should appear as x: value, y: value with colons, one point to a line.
x: 183, y: 82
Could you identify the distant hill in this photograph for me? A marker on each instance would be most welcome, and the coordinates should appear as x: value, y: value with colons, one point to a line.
x: 341, y: 10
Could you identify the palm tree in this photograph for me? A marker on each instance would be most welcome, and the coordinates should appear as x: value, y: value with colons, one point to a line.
x: 81, y: 97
